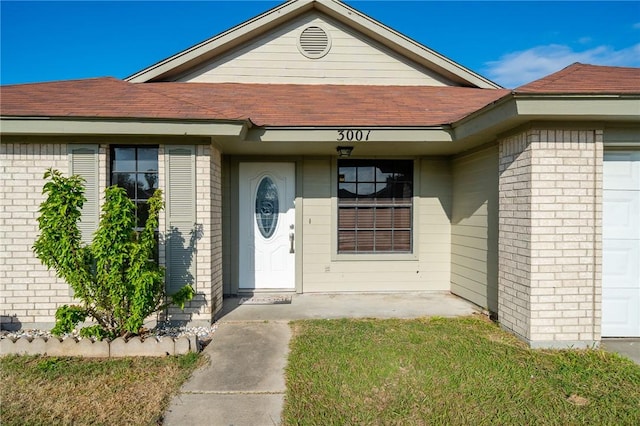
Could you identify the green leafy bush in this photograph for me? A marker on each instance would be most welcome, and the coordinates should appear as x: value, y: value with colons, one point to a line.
x: 114, y: 277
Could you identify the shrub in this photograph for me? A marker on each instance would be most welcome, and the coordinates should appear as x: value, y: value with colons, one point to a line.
x: 114, y: 277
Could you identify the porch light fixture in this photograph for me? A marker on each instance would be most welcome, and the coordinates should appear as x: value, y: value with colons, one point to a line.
x: 344, y: 151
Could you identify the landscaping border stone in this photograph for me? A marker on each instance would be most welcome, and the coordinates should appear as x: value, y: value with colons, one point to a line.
x: 116, y: 348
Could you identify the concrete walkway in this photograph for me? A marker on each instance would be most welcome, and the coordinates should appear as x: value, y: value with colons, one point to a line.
x: 243, y: 383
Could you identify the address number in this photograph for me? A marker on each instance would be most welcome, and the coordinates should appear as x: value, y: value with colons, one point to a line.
x: 353, y: 135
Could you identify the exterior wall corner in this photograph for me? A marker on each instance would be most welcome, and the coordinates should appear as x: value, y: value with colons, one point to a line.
x: 550, y: 236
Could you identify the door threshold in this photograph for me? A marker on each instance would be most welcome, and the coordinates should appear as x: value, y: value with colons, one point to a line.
x: 269, y: 291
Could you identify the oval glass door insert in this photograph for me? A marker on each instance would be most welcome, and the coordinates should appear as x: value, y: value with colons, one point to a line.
x: 267, y: 207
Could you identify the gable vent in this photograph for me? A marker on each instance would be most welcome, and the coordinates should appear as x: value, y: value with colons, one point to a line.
x: 314, y: 42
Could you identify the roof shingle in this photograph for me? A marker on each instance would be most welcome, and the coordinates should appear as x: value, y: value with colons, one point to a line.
x: 580, y: 78
x: 263, y: 104
x: 293, y: 104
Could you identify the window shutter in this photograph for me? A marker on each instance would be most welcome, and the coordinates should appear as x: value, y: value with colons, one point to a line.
x: 83, y: 161
x: 181, y: 216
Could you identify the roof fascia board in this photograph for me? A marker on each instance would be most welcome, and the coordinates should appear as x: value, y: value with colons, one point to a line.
x: 514, y: 110
x: 590, y: 107
x: 46, y: 126
x: 209, y: 48
x: 403, y: 44
x: 369, y: 135
x: 503, y: 113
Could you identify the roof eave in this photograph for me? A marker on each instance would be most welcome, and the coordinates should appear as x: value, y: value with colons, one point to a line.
x: 516, y: 109
x: 22, y: 125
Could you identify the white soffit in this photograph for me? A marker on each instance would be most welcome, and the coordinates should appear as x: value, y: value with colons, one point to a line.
x: 240, y: 34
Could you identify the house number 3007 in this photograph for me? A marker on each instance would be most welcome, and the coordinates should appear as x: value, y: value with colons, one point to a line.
x: 353, y: 135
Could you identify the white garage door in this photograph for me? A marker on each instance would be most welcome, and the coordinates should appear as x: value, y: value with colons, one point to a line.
x: 621, y: 245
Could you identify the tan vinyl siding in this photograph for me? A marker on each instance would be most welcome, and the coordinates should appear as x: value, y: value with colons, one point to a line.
x: 427, y: 269
x: 352, y: 59
x: 474, y: 239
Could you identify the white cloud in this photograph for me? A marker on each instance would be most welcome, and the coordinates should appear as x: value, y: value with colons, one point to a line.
x: 517, y: 68
x: 636, y: 26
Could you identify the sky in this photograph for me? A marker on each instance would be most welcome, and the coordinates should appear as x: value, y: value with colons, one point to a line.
x: 509, y: 42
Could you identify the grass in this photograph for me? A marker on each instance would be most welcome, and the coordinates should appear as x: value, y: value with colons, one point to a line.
x: 449, y: 371
x: 130, y: 391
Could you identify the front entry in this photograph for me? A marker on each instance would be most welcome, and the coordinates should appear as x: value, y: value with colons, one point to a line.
x: 267, y: 226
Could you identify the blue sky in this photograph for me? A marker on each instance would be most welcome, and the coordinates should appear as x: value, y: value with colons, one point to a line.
x: 510, y: 42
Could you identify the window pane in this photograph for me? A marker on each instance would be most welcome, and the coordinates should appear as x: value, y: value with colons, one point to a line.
x: 365, y: 217
x: 384, y: 190
x: 384, y: 173
x: 365, y: 241
x: 402, y: 241
x: 366, y: 190
x: 147, y: 184
x: 403, y: 171
x: 384, y: 218
x: 347, y: 218
x: 142, y: 213
x: 346, y: 174
x: 347, y: 190
x: 123, y: 160
x: 384, y: 241
x: 403, y: 190
x: 366, y: 174
x: 402, y: 218
x: 347, y: 241
x: 147, y: 159
x: 126, y: 181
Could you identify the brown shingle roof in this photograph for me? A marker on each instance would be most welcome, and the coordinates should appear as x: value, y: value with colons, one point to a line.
x: 263, y: 104
x: 97, y: 97
x: 584, y: 79
x: 293, y: 104
x: 335, y: 105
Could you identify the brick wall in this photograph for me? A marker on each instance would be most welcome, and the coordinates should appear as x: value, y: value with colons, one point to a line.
x: 29, y: 293
x: 550, y: 236
x: 215, y: 255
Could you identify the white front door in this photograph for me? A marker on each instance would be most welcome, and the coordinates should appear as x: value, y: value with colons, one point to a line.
x: 621, y: 245
x: 267, y: 226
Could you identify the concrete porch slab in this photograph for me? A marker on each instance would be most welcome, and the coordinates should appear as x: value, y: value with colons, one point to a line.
x: 349, y: 305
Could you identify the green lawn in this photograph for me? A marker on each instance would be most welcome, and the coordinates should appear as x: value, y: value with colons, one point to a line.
x: 353, y: 372
x: 66, y: 391
x: 449, y: 371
